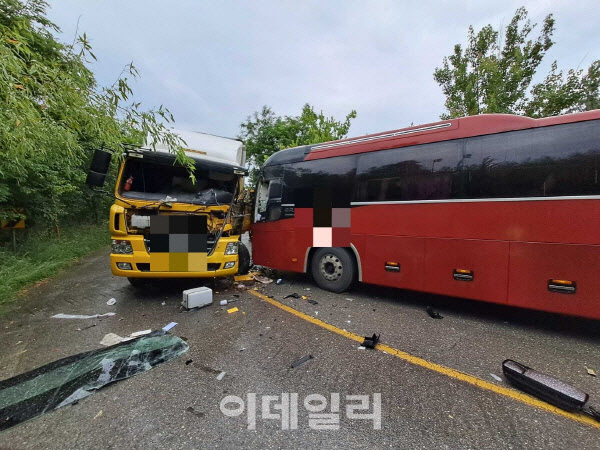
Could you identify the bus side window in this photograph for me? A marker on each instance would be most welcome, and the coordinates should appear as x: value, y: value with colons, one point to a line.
x: 274, y: 200
x: 262, y: 195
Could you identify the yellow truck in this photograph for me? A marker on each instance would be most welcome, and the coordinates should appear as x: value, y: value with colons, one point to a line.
x: 163, y: 225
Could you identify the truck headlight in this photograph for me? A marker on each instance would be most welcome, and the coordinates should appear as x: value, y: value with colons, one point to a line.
x: 122, y: 247
x: 232, y: 248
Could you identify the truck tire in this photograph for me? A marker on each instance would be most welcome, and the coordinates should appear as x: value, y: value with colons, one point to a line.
x: 333, y: 269
x: 243, y: 259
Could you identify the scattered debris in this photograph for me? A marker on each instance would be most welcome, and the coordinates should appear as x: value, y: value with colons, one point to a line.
x: 294, y: 295
x: 98, y: 415
x: 163, y: 303
x: 495, y: 377
x: 223, y: 302
x: 547, y: 388
x: 279, y: 281
x: 77, y: 316
x: 220, y: 376
x: 312, y: 302
x: 263, y: 280
x: 249, y: 277
x: 194, y: 412
x: 433, y: 314
x: 188, y: 362
x: 590, y: 372
x: 85, y: 328
x: 362, y: 347
x: 304, y: 297
x: 301, y: 361
x: 307, y: 289
x: 111, y: 302
x: 197, y: 298
x: 371, y: 342
x: 71, y: 379
x: 141, y: 333
x: 349, y: 299
x: 169, y: 326
x: 241, y: 287
x: 113, y: 339
x: 232, y: 310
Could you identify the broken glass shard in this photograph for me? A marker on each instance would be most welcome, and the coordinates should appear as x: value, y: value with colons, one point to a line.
x: 70, y: 379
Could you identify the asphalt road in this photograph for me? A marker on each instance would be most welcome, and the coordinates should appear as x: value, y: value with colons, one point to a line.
x: 176, y: 405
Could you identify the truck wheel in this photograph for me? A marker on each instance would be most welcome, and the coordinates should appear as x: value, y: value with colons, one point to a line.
x: 243, y: 259
x: 333, y: 269
x: 138, y: 282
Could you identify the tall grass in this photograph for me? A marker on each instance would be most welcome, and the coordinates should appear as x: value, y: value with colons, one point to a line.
x: 44, y: 255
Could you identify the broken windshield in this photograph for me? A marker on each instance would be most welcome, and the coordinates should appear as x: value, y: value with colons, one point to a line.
x: 149, y: 180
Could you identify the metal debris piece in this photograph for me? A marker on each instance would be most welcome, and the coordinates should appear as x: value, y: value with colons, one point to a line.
x: 263, y: 280
x: 433, y: 314
x: 301, y: 361
x: 71, y: 379
x: 78, y: 316
x: 371, y: 342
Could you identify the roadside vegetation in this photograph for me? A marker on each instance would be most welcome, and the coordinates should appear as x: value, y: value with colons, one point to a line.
x: 44, y: 255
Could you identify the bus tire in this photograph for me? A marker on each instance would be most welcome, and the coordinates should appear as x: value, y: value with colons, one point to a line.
x: 243, y: 259
x: 333, y: 269
x: 138, y: 282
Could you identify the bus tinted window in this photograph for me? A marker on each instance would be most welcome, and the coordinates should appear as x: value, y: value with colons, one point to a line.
x: 540, y: 162
x: 424, y: 172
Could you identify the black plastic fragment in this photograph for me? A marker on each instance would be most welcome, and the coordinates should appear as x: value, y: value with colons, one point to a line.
x: 294, y: 295
x: 544, y: 387
x: 312, y: 302
x: 433, y: 314
x: 301, y: 361
x: 371, y: 342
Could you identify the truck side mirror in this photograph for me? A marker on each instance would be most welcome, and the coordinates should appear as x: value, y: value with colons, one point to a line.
x: 99, y: 168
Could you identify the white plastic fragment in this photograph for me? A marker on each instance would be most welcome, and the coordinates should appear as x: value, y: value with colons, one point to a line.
x: 197, y: 298
x: 362, y: 347
x: 140, y: 333
x: 112, y: 339
x: 220, y: 376
x: 169, y: 326
x: 223, y: 302
x: 111, y: 302
x: 78, y: 316
x: 495, y: 377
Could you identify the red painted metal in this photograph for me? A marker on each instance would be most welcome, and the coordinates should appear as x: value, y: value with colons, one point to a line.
x: 459, y: 128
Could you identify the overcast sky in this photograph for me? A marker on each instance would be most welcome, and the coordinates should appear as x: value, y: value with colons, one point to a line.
x: 214, y: 63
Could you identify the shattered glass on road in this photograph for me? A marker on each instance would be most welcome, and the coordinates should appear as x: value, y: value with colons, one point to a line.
x: 70, y: 379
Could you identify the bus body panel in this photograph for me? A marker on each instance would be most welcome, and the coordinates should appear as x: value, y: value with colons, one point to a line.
x: 513, y: 201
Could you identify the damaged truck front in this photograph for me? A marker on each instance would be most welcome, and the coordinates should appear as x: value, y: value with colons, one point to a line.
x: 164, y: 225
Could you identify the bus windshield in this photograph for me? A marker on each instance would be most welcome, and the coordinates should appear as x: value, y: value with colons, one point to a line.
x: 149, y: 180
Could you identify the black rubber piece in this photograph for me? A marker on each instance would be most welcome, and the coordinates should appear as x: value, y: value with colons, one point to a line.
x: 243, y: 259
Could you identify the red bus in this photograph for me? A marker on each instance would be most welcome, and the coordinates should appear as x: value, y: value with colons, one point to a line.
x: 498, y: 208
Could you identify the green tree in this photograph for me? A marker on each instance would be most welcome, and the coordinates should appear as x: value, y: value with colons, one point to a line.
x: 494, y: 73
x: 265, y: 133
x: 54, y: 114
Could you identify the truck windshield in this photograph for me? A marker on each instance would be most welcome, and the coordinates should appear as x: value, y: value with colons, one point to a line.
x: 149, y: 180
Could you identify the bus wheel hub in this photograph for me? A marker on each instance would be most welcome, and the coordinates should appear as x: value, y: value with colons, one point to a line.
x: 331, y: 267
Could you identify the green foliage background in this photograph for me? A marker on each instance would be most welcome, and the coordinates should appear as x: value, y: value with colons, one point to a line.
x: 265, y: 133
x: 493, y: 74
x: 54, y: 114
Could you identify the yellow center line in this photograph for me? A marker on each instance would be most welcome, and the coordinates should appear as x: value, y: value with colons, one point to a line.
x: 447, y: 371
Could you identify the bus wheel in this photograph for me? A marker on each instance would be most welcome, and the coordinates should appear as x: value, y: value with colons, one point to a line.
x: 333, y: 269
x: 243, y: 259
x: 138, y: 282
